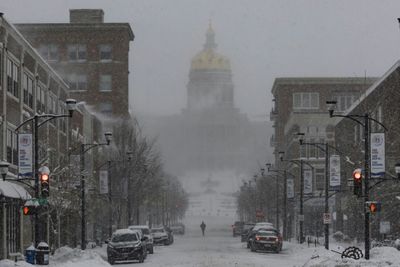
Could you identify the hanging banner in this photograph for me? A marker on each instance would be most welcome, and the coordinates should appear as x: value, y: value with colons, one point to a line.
x: 103, y: 182
x: 290, y: 188
x: 334, y: 171
x: 308, y: 181
x: 377, y: 155
x: 25, y: 155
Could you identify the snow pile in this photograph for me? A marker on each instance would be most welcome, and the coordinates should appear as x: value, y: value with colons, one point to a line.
x: 68, y: 257
x: 380, y: 256
x: 9, y: 263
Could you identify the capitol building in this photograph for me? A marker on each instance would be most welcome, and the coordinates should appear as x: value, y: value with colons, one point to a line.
x: 211, y: 134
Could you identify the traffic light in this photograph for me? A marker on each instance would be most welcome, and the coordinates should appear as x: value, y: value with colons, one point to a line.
x: 357, y: 180
x: 28, y: 209
x: 373, y: 206
x: 44, y: 181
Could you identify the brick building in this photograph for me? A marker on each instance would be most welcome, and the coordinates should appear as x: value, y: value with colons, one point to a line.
x: 92, y: 56
x: 380, y: 101
x: 299, y: 107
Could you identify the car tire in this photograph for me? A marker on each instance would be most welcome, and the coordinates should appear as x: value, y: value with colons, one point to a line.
x: 110, y: 261
x: 151, y: 250
x: 141, y: 258
x: 166, y: 243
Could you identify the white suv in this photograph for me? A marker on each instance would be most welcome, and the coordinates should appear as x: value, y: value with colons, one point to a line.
x: 146, y: 232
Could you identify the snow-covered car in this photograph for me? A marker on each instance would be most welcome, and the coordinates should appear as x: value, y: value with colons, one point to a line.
x: 160, y: 236
x: 178, y: 228
x: 125, y: 245
x: 146, y: 232
x: 265, y: 240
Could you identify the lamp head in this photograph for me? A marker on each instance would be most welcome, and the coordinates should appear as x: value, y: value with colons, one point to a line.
x: 281, y: 153
x: 331, y: 105
x: 301, y: 137
x: 108, y: 136
x: 71, y: 106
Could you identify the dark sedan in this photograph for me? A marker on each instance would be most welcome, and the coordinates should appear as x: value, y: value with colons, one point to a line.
x: 265, y: 240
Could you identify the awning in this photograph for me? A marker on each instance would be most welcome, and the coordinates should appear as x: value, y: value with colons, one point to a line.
x: 12, y: 190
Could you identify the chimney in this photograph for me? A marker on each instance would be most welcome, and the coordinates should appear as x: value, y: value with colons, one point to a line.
x: 86, y: 16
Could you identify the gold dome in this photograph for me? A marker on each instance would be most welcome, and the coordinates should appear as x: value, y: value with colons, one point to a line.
x: 208, y: 59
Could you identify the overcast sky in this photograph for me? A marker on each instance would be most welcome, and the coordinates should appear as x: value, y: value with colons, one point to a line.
x: 263, y: 39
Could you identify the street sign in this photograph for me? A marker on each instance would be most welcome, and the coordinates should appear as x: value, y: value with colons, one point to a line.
x: 301, y: 217
x: 384, y: 227
x: 377, y: 155
x: 327, y: 218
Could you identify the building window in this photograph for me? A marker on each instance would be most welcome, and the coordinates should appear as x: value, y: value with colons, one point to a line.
x: 77, y: 52
x: 12, y: 78
x: 305, y: 100
x: 49, y: 52
x: 106, y: 108
x: 40, y: 100
x: 28, y: 90
x: 105, y: 52
x: 105, y: 83
x: 344, y: 102
x: 320, y: 178
x: 77, y: 82
x: 12, y: 147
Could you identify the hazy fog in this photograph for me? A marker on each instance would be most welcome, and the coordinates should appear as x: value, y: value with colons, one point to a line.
x: 264, y: 39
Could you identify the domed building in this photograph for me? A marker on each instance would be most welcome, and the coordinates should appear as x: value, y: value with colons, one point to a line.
x: 211, y: 134
x: 216, y: 134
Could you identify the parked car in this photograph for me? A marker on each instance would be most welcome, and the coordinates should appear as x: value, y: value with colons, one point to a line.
x: 170, y: 234
x: 247, y: 227
x: 178, y: 228
x: 265, y: 240
x: 160, y: 235
x: 146, y: 232
x: 237, y: 228
x: 125, y: 245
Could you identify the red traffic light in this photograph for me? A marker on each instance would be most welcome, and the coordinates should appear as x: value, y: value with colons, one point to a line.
x: 357, y: 174
x: 44, y: 177
x: 373, y: 206
x: 25, y: 210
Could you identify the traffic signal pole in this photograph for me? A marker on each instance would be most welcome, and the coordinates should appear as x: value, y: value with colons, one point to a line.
x: 326, y: 226
x: 366, y: 185
x: 301, y: 202
x: 37, y: 234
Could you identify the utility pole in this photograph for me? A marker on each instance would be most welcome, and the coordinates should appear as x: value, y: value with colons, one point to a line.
x: 366, y: 184
x: 326, y: 226
x: 301, y: 201
x: 110, y: 220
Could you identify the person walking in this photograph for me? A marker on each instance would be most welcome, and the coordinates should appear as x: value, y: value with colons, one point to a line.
x: 203, y: 227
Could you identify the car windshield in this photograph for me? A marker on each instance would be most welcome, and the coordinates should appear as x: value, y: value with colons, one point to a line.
x: 157, y: 230
x: 124, y: 238
x: 248, y: 226
x: 145, y: 231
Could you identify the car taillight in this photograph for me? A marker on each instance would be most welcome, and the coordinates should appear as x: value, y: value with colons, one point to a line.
x: 258, y: 238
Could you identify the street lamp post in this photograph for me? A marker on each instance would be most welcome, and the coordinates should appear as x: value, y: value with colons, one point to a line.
x: 85, y: 148
x: 365, y: 123
x: 129, y: 196
x: 284, y: 173
x: 71, y: 107
x: 299, y: 163
x: 326, y: 210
